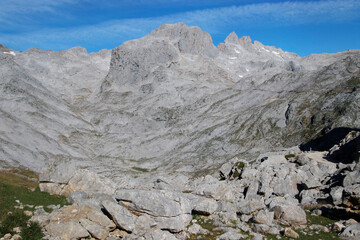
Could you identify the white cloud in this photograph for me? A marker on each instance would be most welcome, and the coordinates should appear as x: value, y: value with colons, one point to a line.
x: 211, y: 20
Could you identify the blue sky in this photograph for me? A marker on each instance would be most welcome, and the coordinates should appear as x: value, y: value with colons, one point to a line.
x: 303, y: 27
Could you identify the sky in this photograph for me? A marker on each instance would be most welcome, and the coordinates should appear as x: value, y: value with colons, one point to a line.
x: 302, y: 26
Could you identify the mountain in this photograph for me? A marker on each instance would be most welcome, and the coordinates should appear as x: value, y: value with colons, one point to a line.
x: 171, y: 101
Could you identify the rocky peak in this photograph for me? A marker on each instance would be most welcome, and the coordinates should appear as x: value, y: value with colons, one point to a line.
x: 232, y: 39
x: 4, y: 49
x: 191, y: 40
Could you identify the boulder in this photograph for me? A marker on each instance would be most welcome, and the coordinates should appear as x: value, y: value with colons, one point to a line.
x: 264, y: 217
x: 231, y: 236
x: 352, y: 231
x: 161, y: 235
x: 293, y: 215
x: 197, y: 229
x: 204, y: 206
x: 174, y: 224
x: 248, y: 207
x: 91, y: 183
x: 94, y: 229
x: 288, y: 232
x: 155, y: 203
x: 120, y: 215
x: 67, y: 230
x: 352, y: 178
x: 336, y: 194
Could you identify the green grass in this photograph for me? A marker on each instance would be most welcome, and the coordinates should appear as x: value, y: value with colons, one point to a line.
x: 313, y: 234
x: 31, y: 232
x: 205, y: 223
x: 141, y: 169
x: 18, y: 184
x: 288, y: 156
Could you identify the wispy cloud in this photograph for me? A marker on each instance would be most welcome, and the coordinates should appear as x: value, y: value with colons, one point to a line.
x: 112, y: 33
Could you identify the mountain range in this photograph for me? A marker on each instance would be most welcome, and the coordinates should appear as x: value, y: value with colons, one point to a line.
x: 171, y: 102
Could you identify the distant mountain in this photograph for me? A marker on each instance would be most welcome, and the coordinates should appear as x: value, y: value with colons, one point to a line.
x: 170, y: 101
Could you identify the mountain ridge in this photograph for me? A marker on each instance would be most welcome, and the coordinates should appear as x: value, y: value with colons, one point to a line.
x: 172, y: 101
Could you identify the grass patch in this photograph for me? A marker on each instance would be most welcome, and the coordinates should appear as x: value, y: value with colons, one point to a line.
x: 207, y: 224
x: 32, y: 232
x: 17, y: 184
x: 313, y: 234
x: 288, y: 156
x: 141, y: 169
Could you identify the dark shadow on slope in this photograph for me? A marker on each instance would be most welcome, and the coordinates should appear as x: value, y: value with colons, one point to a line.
x: 347, y: 153
x: 327, y: 140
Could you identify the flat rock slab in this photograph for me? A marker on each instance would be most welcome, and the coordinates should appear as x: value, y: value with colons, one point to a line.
x: 155, y: 203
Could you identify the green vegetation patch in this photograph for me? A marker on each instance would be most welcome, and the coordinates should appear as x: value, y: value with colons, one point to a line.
x: 207, y: 224
x: 19, y: 186
x: 289, y: 156
x: 308, y: 234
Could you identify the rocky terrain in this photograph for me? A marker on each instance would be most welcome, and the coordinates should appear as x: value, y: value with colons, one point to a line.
x: 135, y: 137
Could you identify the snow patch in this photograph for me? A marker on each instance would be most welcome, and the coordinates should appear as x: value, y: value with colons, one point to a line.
x: 10, y: 53
x: 246, y: 69
x: 237, y: 51
x: 241, y: 76
x: 265, y: 50
x: 275, y: 53
x: 232, y: 58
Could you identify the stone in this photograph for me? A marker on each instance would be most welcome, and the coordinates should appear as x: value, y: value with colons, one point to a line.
x: 99, y: 218
x: 248, y: 207
x: 290, y: 233
x: 302, y: 160
x: 320, y: 228
x: 120, y: 215
x: 7, y: 236
x: 16, y: 237
x: 352, y: 231
x: 257, y: 236
x: 161, y: 235
x: 205, y: 206
x: 28, y: 213
x: 338, y: 227
x: 155, y: 203
x: 197, y: 229
x: 352, y: 178
x: 77, y: 197
x: 336, y: 194
x: 94, y: 229
x: 67, y: 230
x: 264, y: 217
x: 231, y: 236
x: 261, y: 228
x: 42, y: 219
x: 293, y: 215
x: 90, y: 182
x: 174, y: 224
x: 16, y: 230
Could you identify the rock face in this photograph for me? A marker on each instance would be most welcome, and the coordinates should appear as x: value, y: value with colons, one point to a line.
x: 171, y: 97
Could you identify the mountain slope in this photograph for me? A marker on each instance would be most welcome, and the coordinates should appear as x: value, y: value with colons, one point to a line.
x: 173, y: 101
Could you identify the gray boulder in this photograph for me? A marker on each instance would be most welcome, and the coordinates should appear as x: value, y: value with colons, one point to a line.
x: 352, y: 178
x: 293, y: 215
x: 155, y: 203
x: 352, y: 231
x: 264, y: 217
x: 120, y: 215
x: 94, y: 229
x: 67, y: 230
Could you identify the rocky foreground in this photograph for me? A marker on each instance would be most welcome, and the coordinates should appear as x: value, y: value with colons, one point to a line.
x: 266, y: 197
